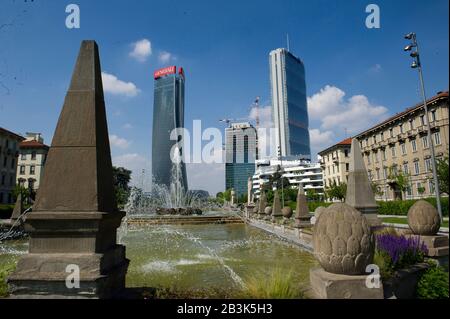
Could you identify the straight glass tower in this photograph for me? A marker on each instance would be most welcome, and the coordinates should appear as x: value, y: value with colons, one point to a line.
x: 289, y: 108
x: 168, y: 114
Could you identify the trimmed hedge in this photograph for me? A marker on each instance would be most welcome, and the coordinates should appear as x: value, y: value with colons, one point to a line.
x: 6, y: 211
x: 401, y: 207
x: 398, y: 207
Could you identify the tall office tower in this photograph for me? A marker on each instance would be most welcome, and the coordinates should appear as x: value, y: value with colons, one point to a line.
x: 240, y: 156
x: 289, y: 108
x: 168, y: 114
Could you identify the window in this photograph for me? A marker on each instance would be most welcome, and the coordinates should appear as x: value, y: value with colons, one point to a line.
x: 409, y: 190
x: 416, y: 168
x: 428, y: 166
x: 22, y: 170
x: 437, y: 138
x: 5, y: 161
x: 403, y: 147
x: 368, y: 159
x: 346, y: 153
x: 378, y: 173
x: 328, y: 170
x: 13, y: 161
x: 23, y: 156
x: 385, y: 175
x: 411, y: 124
x: 382, y: 136
x: 234, y: 149
x: 425, y: 141
x: 33, y: 155
x: 360, y: 144
x: 414, y: 145
x: 333, y: 169
x: 338, y: 180
x: 393, y: 151
x: 245, y: 149
x: 11, y: 180
x: 401, y: 128
x: 383, y: 154
x: 405, y: 169
x: 422, y: 119
x: 374, y: 139
x: 347, y: 167
x: 337, y: 167
x: 375, y: 154
x: 367, y: 141
x: 3, y: 179
x: 32, y: 169
x: 431, y: 186
x: 391, y: 132
x: 433, y: 115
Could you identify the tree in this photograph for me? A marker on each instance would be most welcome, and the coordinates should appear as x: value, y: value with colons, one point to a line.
x: 400, y: 181
x: 337, y: 191
x: 442, y: 174
x: 121, y: 178
x: 312, y: 195
x: 377, y: 191
x: 25, y: 192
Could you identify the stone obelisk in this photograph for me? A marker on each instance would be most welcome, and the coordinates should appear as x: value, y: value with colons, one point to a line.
x: 359, y: 190
x: 302, y: 217
x: 73, y: 223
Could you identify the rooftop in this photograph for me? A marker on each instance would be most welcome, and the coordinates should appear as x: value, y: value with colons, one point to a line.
x: 7, y: 132
x: 32, y: 144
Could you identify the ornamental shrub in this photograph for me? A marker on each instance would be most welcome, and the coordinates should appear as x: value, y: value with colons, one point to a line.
x: 433, y: 284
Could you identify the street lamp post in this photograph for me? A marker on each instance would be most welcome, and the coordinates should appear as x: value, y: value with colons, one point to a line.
x: 417, y: 65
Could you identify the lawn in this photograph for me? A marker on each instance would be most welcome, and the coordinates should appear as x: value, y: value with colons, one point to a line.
x: 399, y: 220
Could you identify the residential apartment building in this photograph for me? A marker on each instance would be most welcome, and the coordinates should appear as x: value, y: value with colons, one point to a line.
x: 400, y: 144
x: 9, y: 151
x: 335, y: 163
x: 297, y: 171
x: 31, y: 161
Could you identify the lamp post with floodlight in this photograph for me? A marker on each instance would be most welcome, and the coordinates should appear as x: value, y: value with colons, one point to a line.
x: 417, y: 65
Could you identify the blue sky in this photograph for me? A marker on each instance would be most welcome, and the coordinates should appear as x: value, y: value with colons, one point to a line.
x: 355, y: 76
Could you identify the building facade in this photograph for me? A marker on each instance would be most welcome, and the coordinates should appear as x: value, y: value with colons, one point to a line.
x: 240, y: 155
x: 335, y: 163
x: 296, y: 171
x: 9, y: 152
x: 32, y: 157
x: 168, y: 114
x: 289, y: 106
x: 400, y: 146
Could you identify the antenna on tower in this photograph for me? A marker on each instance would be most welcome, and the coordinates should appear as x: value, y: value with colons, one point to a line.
x: 287, y: 41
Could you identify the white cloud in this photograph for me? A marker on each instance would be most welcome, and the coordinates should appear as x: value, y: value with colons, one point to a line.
x: 266, y: 132
x: 319, y: 138
x: 375, y: 68
x: 142, y: 49
x: 338, y: 114
x: 136, y: 163
x: 118, y: 142
x: 127, y: 126
x: 209, y: 177
x: 111, y: 84
x: 165, y: 57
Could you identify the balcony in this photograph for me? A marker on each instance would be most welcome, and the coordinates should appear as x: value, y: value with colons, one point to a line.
x: 412, y: 133
x: 335, y: 159
x: 391, y: 140
x: 402, y: 136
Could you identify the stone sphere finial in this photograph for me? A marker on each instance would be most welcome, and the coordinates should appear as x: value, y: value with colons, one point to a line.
x: 343, y: 241
x: 268, y: 210
x: 319, y: 210
x: 423, y: 218
x: 287, y: 212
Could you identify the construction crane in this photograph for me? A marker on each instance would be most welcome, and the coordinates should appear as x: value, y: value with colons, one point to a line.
x: 228, y: 121
x: 256, y: 106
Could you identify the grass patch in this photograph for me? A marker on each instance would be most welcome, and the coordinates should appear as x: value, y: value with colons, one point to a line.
x: 6, y: 268
x: 399, y: 220
x: 278, y: 284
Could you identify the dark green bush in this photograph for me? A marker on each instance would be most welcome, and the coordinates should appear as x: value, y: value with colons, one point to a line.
x: 401, y: 207
x: 313, y: 205
x: 6, y: 211
x: 433, y: 284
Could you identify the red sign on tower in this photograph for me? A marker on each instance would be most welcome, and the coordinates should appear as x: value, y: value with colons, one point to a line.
x: 165, y: 71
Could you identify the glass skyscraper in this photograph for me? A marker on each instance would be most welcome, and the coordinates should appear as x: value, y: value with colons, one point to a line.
x: 168, y: 114
x: 240, y: 156
x: 289, y: 108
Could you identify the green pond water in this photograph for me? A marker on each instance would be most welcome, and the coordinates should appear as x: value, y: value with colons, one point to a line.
x: 214, y: 256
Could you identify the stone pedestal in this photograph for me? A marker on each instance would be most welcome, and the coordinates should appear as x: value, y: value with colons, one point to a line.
x: 74, y: 221
x: 437, y: 244
x: 327, y: 285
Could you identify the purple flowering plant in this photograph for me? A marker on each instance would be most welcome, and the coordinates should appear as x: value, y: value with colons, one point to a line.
x: 399, y: 251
